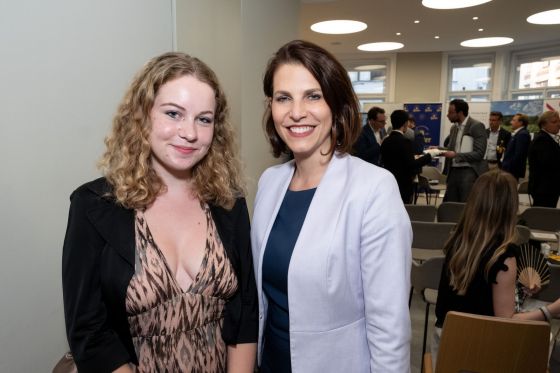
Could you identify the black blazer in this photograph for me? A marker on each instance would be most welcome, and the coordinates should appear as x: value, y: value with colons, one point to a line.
x: 367, y: 147
x: 503, y: 140
x: 515, y: 156
x: 398, y: 157
x: 97, y: 265
x: 544, y: 165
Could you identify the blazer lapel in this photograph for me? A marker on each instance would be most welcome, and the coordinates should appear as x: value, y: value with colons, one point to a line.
x: 453, y: 137
x: 113, y: 222
x: 273, y: 195
x: 322, y: 217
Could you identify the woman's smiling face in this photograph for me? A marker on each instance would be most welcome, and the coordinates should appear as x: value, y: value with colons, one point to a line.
x: 182, y: 125
x: 301, y: 116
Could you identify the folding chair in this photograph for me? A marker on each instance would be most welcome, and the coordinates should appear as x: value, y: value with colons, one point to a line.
x: 421, y: 212
x: 450, y: 212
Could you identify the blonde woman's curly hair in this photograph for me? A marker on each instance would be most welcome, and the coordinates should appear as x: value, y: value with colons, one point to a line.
x: 127, y: 160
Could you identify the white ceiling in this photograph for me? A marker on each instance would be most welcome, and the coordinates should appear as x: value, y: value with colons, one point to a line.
x: 387, y: 17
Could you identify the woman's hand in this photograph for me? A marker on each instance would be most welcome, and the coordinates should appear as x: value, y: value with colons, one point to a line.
x: 535, y: 288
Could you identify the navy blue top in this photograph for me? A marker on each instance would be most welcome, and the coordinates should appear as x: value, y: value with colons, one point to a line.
x: 276, y: 260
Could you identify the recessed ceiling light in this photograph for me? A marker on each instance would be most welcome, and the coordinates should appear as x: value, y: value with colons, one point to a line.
x: 486, y: 42
x: 339, y: 26
x: 475, y: 18
x: 416, y: 21
x: 480, y: 29
x: 369, y: 67
x: 381, y: 46
x: 550, y: 17
x: 436, y: 37
x: 452, y: 4
x: 398, y: 34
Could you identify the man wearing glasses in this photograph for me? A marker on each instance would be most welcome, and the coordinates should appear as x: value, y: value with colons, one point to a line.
x: 368, y: 145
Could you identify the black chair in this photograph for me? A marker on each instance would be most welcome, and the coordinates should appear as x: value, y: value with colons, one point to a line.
x: 541, y: 218
x: 424, y: 277
x: 428, y: 239
x: 450, y: 212
x: 421, y: 212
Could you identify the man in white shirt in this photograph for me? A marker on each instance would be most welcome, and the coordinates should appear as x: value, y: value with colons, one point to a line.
x: 498, y: 139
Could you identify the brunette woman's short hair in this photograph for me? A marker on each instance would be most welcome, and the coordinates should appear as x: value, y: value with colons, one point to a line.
x: 335, y: 85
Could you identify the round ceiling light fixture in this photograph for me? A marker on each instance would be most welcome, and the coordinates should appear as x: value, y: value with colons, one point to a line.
x: 550, y: 17
x: 339, y: 26
x: 486, y: 42
x: 380, y: 46
x: 370, y: 67
x: 452, y: 4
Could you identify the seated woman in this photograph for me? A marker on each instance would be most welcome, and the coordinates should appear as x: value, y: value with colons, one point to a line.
x: 480, y: 268
x: 156, y: 268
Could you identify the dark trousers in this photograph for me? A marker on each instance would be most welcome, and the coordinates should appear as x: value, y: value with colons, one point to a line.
x: 459, y: 183
x: 545, y: 200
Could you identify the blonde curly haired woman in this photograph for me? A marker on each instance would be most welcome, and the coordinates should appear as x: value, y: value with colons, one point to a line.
x: 157, y: 267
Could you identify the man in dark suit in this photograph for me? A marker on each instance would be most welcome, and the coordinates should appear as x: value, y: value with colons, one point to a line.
x: 544, y: 161
x: 465, y: 156
x: 515, y: 157
x: 397, y: 153
x: 368, y: 145
x: 498, y: 139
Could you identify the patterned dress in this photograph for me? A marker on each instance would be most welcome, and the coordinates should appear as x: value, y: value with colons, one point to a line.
x: 176, y: 330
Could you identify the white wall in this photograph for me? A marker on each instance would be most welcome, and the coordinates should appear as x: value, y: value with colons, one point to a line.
x: 418, y: 77
x: 64, y: 67
x: 236, y: 38
x: 267, y: 25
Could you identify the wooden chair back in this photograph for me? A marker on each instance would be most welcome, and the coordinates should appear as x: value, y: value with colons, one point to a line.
x: 474, y: 343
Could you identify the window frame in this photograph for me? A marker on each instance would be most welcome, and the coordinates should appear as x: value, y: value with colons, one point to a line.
x: 458, y: 61
x: 519, y: 57
x: 368, y: 98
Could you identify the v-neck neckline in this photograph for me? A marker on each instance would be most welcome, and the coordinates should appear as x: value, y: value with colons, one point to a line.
x: 173, y: 277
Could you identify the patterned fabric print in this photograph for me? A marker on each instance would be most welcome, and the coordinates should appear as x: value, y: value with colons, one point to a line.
x: 175, y: 330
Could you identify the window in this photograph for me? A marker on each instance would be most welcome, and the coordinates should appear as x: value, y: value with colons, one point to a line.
x: 470, y: 78
x: 535, y: 74
x: 370, y: 81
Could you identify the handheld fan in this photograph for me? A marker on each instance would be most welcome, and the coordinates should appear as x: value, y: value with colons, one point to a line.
x: 532, y: 268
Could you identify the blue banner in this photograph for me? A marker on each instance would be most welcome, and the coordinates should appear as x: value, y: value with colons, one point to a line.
x: 428, y: 120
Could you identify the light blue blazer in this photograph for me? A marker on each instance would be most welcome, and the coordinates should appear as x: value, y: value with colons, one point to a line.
x: 349, y: 275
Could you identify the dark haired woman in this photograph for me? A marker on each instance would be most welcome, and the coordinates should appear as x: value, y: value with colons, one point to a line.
x: 331, y: 238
